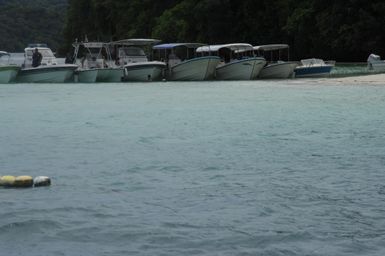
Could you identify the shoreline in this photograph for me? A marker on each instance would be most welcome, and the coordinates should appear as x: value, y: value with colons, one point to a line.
x: 369, y: 79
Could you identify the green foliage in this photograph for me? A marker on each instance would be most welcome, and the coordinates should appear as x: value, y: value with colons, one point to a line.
x: 344, y: 30
x: 340, y: 29
x: 23, y: 22
x: 175, y: 24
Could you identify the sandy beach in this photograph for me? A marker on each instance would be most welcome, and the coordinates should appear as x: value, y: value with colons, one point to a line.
x: 366, y: 79
x: 373, y: 79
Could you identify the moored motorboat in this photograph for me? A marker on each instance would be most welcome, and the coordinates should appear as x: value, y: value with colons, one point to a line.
x: 375, y: 63
x: 313, y: 68
x: 278, y: 70
x: 183, y: 62
x: 145, y: 71
x: 47, y: 70
x: 237, y: 61
x: 132, y: 56
x: 8, y: 72
x: 275, y: 68
x: 85, y: 75
x: 95, y: 64
x: 110, y: 75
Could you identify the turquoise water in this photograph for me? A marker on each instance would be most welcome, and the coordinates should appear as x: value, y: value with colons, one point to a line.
x: 218, y: 168
x: 350, y: 69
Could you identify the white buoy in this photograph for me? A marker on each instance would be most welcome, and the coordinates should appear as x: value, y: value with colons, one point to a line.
x: 41, y: 181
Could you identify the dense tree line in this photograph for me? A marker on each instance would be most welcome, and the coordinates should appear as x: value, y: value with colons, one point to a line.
x: 25, y: 21
x: 344, y: 30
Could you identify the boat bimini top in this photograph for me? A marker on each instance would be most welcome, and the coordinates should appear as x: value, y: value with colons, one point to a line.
x: 90, y: 44
x: 174, y: 45
x: 271, y: 47
x: 135, y: 42
x: 239, y: 47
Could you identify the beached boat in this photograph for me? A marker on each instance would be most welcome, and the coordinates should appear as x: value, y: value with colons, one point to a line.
x: 183, y: 63
x: 375, y: 63
x: 8, y: 72
x: 275, y: 68
x: 131, y: 55
x: 313, y: 68
x: 237, y: 61
x: 47, y: 71
x: 95, y: 64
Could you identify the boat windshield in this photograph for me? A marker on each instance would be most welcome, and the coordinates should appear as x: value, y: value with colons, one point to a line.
x: 46, y: 53
x: 312, y: 62
x: 131, y: 51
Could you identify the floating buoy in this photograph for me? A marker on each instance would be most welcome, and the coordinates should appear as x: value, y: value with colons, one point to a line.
x: 23, y: 182
x: 41, y: 181
x: 7, y: 181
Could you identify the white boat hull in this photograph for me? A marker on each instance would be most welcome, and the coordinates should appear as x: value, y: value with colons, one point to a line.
x: 86, y: 75
x: 8, y: 73
x: 197, y: 69
x: 278, y: 70
x: 144, y: 71
x: 110, y: 75
x: 47, y: 74
x: 246, y: 69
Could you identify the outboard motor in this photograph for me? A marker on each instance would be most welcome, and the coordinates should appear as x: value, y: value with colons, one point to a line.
x: 373, y: 58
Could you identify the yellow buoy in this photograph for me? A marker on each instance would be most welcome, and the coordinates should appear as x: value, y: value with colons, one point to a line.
x: 23, y: 182
x: 7, y: 181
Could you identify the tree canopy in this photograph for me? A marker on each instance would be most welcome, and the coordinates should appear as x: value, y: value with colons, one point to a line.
x: 24, y: 21
x: 343, y: 30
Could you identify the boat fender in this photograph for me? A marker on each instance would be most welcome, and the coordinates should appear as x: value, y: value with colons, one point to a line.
x: 42, y: 181
x: 7, y: 181
x: 23, y: 182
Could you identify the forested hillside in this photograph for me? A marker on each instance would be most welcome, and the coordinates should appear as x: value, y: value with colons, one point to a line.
x: 345, y: 30
x: 25, y: 21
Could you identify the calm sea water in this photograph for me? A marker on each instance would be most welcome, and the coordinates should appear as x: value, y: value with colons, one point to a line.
x: 217, y: 168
